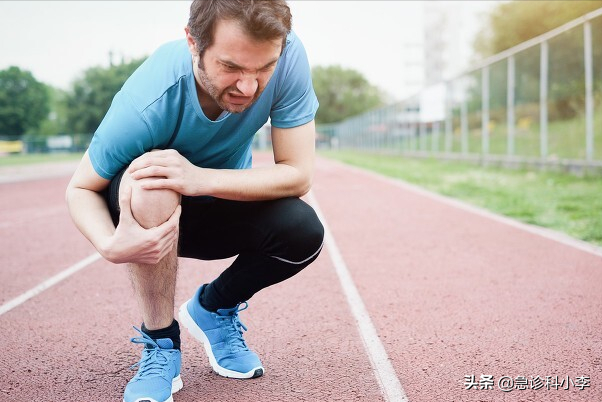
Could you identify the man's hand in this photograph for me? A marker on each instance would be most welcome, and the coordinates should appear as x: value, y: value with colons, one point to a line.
x: 133, y: 243
x: 170, y: 170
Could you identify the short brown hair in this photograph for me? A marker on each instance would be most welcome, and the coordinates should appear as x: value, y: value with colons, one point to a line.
x: 263, y: 20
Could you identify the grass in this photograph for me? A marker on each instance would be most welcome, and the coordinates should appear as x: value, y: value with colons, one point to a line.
x: 557, y: 201
x: 27, y: 159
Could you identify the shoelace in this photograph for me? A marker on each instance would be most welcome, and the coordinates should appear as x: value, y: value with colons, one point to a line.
x: 153, y: 359
x: 234, y: 327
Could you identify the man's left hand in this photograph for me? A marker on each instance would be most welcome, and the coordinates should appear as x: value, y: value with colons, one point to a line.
x: 170, y: 171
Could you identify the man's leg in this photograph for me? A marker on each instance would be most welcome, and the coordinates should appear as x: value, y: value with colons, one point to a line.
x: 274, y: 240
x: 154, y: 285
x: 158, y: 376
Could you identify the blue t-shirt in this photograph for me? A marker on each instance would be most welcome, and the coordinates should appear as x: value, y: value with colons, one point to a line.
x: 158, y: 108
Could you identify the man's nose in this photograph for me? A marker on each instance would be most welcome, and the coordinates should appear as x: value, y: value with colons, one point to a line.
x: 247, y: 84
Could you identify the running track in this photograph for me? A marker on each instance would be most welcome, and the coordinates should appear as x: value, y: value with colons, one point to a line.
x: 412, y: 295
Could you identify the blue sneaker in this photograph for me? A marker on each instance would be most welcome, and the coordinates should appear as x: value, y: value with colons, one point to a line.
x: 158, y: 375
x: 221, y: 335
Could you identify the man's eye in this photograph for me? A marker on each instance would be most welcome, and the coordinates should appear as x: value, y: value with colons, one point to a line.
x: 229, y: 68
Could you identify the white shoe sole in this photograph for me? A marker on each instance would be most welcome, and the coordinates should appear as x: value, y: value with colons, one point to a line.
x: 199, y: 335
x: 176, y: 385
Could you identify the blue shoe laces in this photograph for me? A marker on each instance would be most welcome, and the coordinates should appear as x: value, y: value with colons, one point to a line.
x: 234, y: 328
x: 154, y: 359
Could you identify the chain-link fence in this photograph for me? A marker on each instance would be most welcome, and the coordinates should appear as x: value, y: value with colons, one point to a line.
x: 45, y: 144
x: 538, y: 103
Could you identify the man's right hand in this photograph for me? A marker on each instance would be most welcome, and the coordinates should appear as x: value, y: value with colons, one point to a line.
x: 134, y: 244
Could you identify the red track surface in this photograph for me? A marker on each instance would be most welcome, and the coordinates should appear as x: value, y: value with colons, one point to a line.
x: 451, y: 294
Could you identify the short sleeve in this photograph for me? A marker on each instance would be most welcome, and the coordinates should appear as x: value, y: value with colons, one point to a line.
x: 295, y: 101
x: 122, y: 136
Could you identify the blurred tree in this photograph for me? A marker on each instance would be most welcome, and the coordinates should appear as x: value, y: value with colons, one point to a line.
x: 56, y: 121
x: 24, y: 102
x: 513, y: 22
x: 343, y: 93
x: 91, y: 95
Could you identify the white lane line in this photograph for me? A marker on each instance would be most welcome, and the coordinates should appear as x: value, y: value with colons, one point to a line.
x: 11, y: 304
x: 383, y: 369
x: 537, y: 230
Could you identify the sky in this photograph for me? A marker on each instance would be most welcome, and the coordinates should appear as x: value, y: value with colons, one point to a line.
x: 58, y: 40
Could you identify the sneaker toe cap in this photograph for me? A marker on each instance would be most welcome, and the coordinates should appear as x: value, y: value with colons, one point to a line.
x: 137, y: 391
x: 241, y: 362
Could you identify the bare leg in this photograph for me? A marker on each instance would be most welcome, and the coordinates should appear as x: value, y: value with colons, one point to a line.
x: 154, y: 285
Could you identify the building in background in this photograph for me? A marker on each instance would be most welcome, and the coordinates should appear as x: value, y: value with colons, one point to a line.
x: 442, y: 51
x: 449, y: 31
x: 444, y: 48
x: 413, y: 66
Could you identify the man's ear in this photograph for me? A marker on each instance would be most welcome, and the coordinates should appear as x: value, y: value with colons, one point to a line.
x: 191, y: 42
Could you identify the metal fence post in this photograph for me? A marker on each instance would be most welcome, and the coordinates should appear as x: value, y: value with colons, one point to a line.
x: 464, y: 125
x: 422, y: 134
x: 510, y: 106
x: 589, y: 92
x: 435, y: 138
x: 404, y: 138
x: 485, y: 110
x: 543, y: 101
x: 448, y: 117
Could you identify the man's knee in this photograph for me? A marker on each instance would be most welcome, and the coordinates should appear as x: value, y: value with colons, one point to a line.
x: 302, y: 228
x: 312, y: 230
x: 150, y: 208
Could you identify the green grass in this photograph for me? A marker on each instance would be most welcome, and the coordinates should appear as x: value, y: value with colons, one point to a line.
x: 557, y: 201
x: 27, y: 159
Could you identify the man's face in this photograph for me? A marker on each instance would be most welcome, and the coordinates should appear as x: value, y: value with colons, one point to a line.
x: 235, y: 69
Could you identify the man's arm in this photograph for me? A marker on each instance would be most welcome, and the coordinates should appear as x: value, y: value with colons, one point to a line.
x: 291, y: 176
x: 87, y: 207
x: 129, y: 242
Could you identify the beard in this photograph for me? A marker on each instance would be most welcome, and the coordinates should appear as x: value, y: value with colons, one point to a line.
x: 218, y: 94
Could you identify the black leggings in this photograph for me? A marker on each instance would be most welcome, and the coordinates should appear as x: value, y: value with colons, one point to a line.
x: 274, y: 240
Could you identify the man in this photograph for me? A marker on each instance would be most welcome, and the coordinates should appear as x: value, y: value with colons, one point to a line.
x: 168, y: 173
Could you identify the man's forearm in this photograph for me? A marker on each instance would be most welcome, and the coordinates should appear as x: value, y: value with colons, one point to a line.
x: 90, y: 215
x: 263, y: 183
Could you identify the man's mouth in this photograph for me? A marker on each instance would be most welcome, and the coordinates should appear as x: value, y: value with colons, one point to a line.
x: 239, y: 100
